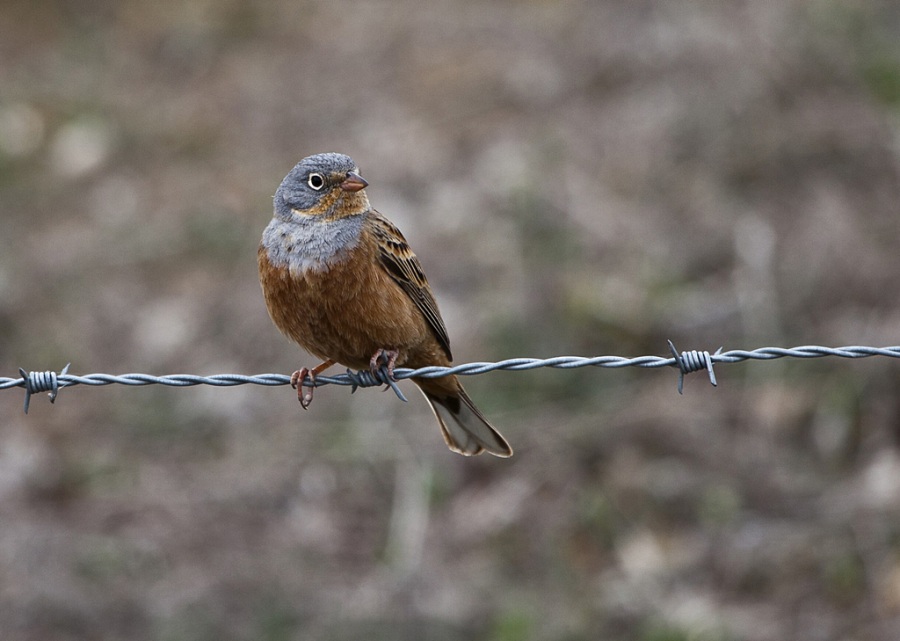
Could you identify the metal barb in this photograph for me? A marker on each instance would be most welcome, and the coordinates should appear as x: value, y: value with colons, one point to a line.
x: 365, y: 378
x: 388, y: 380
x: 35, y: 382
x: 361, y: 378
x: 693, y: 361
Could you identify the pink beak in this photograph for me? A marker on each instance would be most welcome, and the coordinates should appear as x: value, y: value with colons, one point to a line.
x: 354, y: 182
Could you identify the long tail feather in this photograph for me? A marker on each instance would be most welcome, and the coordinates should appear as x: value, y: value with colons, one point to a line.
x: 464, y: 427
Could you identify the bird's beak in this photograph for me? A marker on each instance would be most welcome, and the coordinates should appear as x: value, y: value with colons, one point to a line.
x: 354, y: 182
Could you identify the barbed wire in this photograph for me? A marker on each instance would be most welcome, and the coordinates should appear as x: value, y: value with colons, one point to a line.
x: 686, y: 363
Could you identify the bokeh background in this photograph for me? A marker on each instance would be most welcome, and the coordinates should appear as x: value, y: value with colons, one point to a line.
x: 578, y: 178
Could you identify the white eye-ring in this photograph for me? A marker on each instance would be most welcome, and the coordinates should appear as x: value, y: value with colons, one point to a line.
x: 316, y: 181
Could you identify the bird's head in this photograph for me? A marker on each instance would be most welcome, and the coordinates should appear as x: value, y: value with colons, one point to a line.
x: 324, y: 186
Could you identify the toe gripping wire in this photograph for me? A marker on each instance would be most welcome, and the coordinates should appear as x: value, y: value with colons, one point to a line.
x: 35, y: 382
x: 693, y: 361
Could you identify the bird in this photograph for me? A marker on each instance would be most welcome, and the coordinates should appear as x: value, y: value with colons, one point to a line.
x: 340, y: 280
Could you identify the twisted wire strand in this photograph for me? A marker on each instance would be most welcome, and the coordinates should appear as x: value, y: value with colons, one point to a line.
x: 685, y: 362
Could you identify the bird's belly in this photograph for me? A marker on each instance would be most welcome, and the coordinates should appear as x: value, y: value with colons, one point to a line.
x: 344, y: 313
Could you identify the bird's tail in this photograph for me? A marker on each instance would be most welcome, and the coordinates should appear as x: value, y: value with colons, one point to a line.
x: 464, y: 427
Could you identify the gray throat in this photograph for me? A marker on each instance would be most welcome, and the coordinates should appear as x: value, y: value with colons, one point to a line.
x: 304, y: 243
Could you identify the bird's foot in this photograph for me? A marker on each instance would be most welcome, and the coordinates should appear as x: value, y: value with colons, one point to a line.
x: 383, y: 357
x: 305, y: 393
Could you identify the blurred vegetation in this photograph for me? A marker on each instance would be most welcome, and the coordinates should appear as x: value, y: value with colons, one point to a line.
x: 577, y: 178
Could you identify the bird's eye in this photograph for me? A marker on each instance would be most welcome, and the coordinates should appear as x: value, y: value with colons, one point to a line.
x: 316, y: 181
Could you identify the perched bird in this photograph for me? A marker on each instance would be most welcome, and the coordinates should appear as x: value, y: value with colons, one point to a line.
x: 340, y: 279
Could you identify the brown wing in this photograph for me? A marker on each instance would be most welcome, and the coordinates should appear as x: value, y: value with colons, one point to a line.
x: 401, y: 263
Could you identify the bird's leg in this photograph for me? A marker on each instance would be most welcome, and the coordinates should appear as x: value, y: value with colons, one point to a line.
x: 305, y: 394
x: 389, y: 356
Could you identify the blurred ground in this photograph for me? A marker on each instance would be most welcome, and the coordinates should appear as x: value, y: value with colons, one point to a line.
x: 577, y: 178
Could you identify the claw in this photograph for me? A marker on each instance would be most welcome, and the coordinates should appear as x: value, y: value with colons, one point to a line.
x: 304, y: 394
x: 389, y: 356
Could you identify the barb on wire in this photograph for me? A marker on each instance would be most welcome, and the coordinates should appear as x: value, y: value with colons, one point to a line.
x: 685, y: 362
x: 34, y: 382
x: 367, y: 378
x: 693, y: 361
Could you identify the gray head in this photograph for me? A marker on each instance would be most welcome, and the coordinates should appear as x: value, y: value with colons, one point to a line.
x: 320, y: 208
x: 326, y: 185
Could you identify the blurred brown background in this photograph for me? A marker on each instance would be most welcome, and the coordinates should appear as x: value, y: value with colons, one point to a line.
x: 578, y: 178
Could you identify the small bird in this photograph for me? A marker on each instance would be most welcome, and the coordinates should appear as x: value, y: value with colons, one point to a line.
x: 340, y: 280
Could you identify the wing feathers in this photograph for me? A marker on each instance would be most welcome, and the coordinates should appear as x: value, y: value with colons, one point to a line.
x: 403, y: 266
